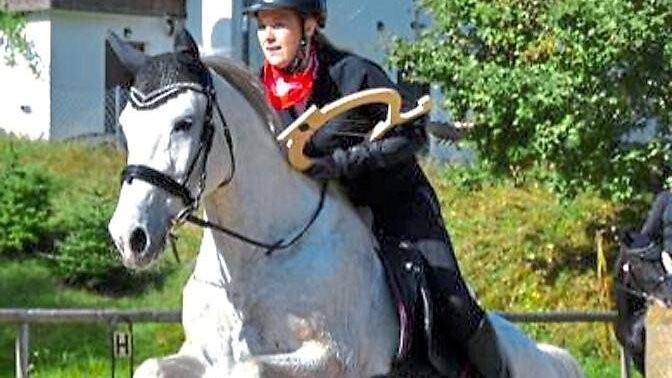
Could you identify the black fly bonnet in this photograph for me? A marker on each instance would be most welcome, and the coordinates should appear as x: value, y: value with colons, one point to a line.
x: 162, y: 78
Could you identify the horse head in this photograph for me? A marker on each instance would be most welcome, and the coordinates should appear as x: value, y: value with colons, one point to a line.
x: 643, y: 270
x: 171, y: 129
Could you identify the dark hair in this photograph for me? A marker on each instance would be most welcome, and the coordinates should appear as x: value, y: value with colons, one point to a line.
x: 321, y: 41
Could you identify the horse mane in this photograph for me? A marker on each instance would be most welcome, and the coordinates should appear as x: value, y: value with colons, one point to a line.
x: 249, y: 85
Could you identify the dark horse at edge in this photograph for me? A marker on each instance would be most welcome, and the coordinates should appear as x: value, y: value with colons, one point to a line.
x: 643, y: 276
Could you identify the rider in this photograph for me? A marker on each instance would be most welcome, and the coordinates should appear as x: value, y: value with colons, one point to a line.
x: 302, y: 68
x: 658, y: 224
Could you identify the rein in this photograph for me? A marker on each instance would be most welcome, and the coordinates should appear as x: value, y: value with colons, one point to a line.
x: 179, y: 188
x: 638, y: 293
x: 270, y: 248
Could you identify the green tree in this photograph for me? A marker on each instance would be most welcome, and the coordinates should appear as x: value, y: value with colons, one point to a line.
x: 553, y: 87
x: 13, y: 41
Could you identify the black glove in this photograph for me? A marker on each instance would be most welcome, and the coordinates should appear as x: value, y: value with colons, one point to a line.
x: 331, y: 167
x: 324, y: 168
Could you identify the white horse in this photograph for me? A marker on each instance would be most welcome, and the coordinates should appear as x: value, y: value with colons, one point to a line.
x: 314, y: 305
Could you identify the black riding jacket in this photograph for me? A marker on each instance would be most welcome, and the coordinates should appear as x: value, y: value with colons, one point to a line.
x: 383, y: 175
x: 658, y: 224
x: 376, y: 173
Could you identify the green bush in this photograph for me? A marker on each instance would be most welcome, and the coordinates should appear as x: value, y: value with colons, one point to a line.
x: 85, y: 255
x: 554, y: 86
x: 25, y: 207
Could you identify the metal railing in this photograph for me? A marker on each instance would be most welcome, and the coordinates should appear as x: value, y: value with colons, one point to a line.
x: 25, y: 317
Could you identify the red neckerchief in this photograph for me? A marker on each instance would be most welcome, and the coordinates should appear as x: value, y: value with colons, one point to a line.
x: 283, y: 89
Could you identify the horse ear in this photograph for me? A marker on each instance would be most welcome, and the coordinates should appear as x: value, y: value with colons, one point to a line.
x: 184, y: 42
x: 129, y: 56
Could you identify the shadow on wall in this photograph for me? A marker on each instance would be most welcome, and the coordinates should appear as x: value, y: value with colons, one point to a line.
x: 221, y: 38
x: 195, y: 20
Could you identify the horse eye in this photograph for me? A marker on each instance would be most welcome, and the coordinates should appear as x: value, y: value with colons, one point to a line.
x: 183, y: 125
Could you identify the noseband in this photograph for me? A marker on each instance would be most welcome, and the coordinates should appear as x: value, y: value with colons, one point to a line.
x: 180, y: 188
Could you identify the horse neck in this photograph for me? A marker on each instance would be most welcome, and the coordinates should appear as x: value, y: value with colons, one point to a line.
x: 627, y: 303
x: 266, y: 200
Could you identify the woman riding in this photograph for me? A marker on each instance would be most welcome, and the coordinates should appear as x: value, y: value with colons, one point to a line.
x: 302, y: 68
x: 658, y: 224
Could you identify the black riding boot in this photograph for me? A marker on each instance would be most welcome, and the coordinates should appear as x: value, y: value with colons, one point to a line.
x: 485, y: 352
x: 467, y: 325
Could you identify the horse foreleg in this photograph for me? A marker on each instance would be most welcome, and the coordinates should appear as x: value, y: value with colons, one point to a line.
x: 312, y: 359
x: 564, y: 362
x: 528, y: 359
x: 175, y: 366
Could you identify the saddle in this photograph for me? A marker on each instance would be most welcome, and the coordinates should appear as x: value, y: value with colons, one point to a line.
x: 423, y: 343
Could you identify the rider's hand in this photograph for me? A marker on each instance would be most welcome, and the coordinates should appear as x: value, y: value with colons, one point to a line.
x: 324, y: 168
x: 341, y: 163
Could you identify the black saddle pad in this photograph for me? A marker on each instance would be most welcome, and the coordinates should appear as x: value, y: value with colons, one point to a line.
x: 420, y: 343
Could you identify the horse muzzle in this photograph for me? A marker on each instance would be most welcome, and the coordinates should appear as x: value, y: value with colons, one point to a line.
x: 138, y: 247
x: 138, y: 236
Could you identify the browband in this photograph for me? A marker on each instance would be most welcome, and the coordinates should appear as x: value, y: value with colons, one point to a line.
x: 140, y: 100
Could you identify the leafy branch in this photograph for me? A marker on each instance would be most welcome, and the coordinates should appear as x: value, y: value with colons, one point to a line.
x: 14, y: 42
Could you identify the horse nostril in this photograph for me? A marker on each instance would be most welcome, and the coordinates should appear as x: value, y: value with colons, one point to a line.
x: 138, y: 240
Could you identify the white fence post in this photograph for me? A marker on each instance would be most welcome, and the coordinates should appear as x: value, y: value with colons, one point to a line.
x: 22, y: 350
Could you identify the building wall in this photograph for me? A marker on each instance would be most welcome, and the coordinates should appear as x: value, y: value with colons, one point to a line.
x: 78, y: 65
x: 73, y: 82
x: 24, y: 98
x: 136, y: 7
x: 211, y: 22
x: 367, y: 27
x: 193, y: 21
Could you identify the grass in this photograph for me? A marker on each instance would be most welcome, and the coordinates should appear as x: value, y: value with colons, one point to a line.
x: 520, y: 248
x: 77, y: 350
x: 65, y: 347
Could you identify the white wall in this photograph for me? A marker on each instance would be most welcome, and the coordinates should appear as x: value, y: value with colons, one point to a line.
x: 24, y: 98
x: 78, y: 65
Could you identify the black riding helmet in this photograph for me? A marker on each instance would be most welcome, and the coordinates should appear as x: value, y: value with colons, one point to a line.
x: 305, y: 7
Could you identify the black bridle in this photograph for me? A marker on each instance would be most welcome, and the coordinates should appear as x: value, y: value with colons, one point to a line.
x: 180, y: 188
x: 630, y: 284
